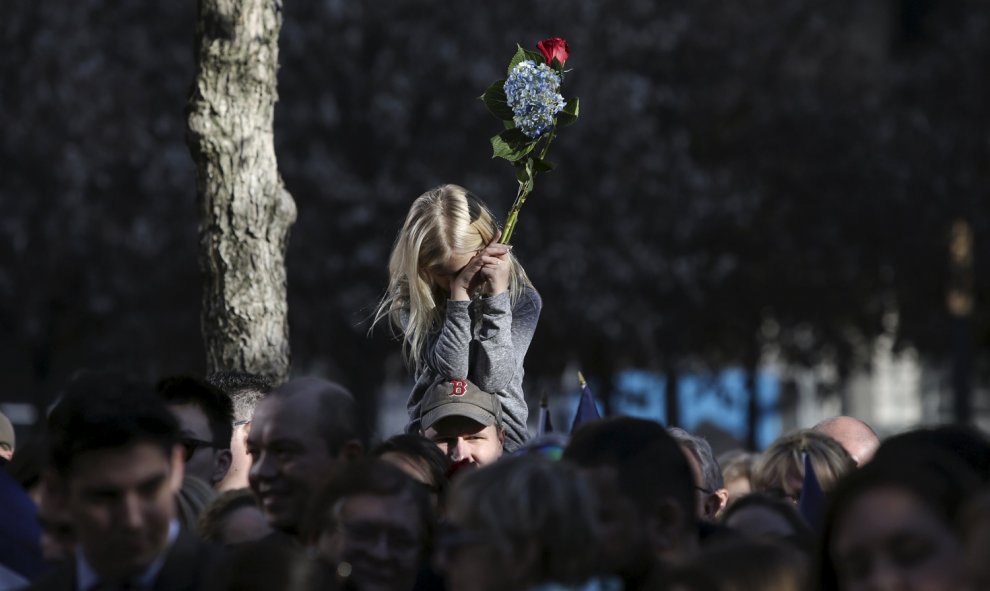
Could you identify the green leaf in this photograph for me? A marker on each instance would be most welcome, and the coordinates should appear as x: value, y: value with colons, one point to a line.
x: 494, y: 99
x: 520, y: 56
x: 524, y: 173
x: 511, y: 144
x: 570, y: 113
x: 535, y: 56
x: 540, y: 165
x: 516, y: 136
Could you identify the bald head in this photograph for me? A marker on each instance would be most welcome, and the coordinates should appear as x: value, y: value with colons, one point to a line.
x: 329, y: 405
x: 855, y: 436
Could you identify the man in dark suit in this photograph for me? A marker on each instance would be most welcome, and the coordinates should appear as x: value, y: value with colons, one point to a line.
x: 115, y: 466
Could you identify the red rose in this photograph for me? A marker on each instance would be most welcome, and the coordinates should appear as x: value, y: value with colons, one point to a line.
x: 554, y: 48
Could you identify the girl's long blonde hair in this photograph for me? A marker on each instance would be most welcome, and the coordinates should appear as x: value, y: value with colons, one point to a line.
x: 443, y: 222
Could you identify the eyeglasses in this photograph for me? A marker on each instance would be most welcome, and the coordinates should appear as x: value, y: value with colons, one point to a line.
x: 189, y: 446
x: 239, y: 423
x: 365, y: 533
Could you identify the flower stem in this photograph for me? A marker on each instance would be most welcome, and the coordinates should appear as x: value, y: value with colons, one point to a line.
x: 510, y: 220
x: 525, y: 187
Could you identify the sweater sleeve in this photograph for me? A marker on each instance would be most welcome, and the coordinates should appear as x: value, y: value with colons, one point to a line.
x: 448, y: 354
x: 503, y: 339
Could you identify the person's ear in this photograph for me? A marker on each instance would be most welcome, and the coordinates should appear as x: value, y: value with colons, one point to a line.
x: 719, y: 499
x: 351, y: 450
x: 666, y: 524
x: 501, y: 436
x: 221, y: 465
x: 178, y: 468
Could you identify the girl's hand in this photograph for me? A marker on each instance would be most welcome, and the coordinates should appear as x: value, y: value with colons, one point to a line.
x: 497, y: 268
x: 490, y: 266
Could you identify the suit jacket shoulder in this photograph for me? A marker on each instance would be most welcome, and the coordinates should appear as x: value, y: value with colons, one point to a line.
x: 187, y: 563
x: 62, y: 578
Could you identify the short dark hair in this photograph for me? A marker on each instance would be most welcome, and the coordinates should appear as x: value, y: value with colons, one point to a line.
x: 649, y: 464
x: 106, y: 410
x: 245, y: 390
x: 530, y: 506
x: 702, y: 452
x: 371, y: 476
x: 215, y: 404
x: 338, y: 421
x: 965, y: 442
x: 417, y: 446
x: 803, y: 537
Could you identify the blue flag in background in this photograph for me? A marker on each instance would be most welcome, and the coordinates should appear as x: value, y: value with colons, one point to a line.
x: 811, y: 504
x: 586, y: 410
x: 544, y: 426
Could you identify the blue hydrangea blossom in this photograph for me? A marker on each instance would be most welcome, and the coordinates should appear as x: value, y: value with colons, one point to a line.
x: 533, y: 93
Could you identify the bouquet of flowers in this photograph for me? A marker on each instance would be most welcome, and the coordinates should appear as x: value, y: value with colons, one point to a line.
x: 532, y: 109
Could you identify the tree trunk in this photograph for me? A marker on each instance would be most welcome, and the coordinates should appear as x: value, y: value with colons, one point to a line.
x: 245, y: 211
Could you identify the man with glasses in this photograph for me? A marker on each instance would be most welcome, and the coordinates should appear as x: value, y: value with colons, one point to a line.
x: 708, y: 482
x: 245, y: 391
x: 371, y: 526
x: 205, y: 418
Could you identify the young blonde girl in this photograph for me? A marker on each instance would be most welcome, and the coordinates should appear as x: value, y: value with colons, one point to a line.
x: 462, y: 303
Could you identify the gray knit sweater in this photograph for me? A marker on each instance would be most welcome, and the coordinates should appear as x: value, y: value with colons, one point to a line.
x: 484, y: 340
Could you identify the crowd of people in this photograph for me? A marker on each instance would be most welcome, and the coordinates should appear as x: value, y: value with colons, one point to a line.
x: 231, y: 482
x: 228, y: 483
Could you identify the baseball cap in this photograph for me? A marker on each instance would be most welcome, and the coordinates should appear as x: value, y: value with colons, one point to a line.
x: 460, y: 398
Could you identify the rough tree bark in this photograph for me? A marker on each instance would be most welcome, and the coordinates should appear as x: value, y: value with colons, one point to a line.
x: 245, y: 211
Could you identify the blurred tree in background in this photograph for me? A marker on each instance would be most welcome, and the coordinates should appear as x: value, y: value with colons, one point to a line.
x: 745, y: 175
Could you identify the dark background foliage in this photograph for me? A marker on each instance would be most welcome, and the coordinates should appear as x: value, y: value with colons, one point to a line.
x: 743, y: 173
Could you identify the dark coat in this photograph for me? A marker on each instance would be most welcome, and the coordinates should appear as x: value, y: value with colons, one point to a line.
x: 187, y: 564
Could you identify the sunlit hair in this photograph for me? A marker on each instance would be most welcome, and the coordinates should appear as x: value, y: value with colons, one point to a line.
x: 442, y: 223
x: 736, y: 464
x: 783, y: 463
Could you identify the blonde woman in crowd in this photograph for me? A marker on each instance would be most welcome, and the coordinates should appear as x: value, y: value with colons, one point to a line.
x: 780, y: 470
